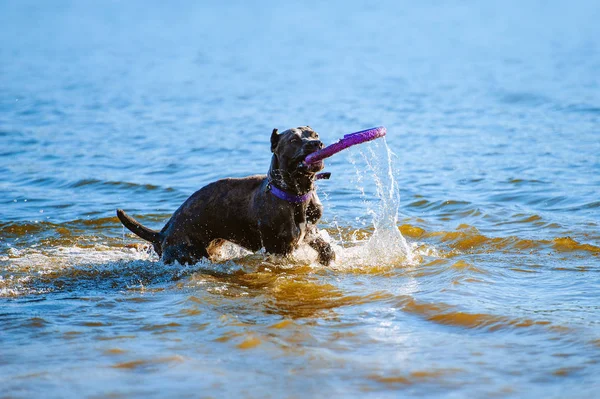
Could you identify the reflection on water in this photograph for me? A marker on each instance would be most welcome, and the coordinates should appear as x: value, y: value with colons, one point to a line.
x: 483, y: 281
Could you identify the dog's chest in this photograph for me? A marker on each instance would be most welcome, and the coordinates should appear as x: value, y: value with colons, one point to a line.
x: 291, y: 227
x: 300, y: 225
x: 300, y: 233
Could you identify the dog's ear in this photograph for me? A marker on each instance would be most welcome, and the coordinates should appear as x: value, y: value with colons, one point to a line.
x: 274, y: 140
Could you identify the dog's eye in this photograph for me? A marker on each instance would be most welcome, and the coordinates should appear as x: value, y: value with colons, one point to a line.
x: 295, y: 140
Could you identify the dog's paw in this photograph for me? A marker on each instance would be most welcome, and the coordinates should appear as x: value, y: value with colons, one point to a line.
x: 326, y: 255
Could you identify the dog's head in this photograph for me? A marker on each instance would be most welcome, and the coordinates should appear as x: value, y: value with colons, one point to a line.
x: 290, y: 148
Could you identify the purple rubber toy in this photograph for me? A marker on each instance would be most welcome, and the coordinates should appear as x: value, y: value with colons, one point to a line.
x: 347, y: 141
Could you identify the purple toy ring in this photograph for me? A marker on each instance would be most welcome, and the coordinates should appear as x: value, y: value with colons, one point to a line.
x: 347, y: 141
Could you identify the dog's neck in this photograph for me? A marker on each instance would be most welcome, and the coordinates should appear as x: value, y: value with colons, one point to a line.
x: 293, y: 183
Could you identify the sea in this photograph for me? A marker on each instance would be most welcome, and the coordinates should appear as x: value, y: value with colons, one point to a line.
x: 467, y: 239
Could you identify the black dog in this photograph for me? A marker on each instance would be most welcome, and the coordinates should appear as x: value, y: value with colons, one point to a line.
x: 277, y: 211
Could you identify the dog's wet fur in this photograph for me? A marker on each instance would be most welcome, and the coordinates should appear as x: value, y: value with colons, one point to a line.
x: 245, y: 212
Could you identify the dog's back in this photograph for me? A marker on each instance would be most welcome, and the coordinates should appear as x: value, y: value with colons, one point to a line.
x: 218, y: 210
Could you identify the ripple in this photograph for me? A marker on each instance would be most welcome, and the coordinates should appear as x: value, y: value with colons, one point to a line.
x: 73, y: 231
x: 444, y: 314
x: 446, y: 205
x: 527, y: 182
x: 95, y: 183
x: 20, y: 229
x: 582, y: 109
x: 586, y: 206
x: 149, y: 363
x: 567, y: 244
x: 437, y: 376
x: 523, y: 99
x: 295, y: 298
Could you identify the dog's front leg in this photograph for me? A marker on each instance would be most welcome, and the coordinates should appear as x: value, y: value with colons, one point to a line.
x: 314, y: 210
x: 281, y: 239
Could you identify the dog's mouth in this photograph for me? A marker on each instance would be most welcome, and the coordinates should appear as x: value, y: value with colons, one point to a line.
x: 312, y: 167
x: 309, y: 168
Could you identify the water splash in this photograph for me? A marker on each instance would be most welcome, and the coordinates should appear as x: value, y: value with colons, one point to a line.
x: 38, y: 271
x: 387, y: 236
x: 386, y: 246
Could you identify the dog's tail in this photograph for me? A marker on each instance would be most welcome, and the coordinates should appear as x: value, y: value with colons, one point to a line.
x: 142, y: 231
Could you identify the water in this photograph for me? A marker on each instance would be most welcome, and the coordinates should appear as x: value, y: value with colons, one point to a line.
x: 488, y: 286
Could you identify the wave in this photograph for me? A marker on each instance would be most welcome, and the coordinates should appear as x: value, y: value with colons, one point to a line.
x: 444, y: 314
x: 95, y: 183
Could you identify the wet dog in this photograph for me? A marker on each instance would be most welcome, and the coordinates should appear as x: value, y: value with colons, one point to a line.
x: 277, y: 212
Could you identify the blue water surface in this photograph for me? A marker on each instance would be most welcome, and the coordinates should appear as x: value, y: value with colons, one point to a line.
x: 493, y: 114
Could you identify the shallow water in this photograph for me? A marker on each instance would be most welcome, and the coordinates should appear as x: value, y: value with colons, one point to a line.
x: 472, y: 269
